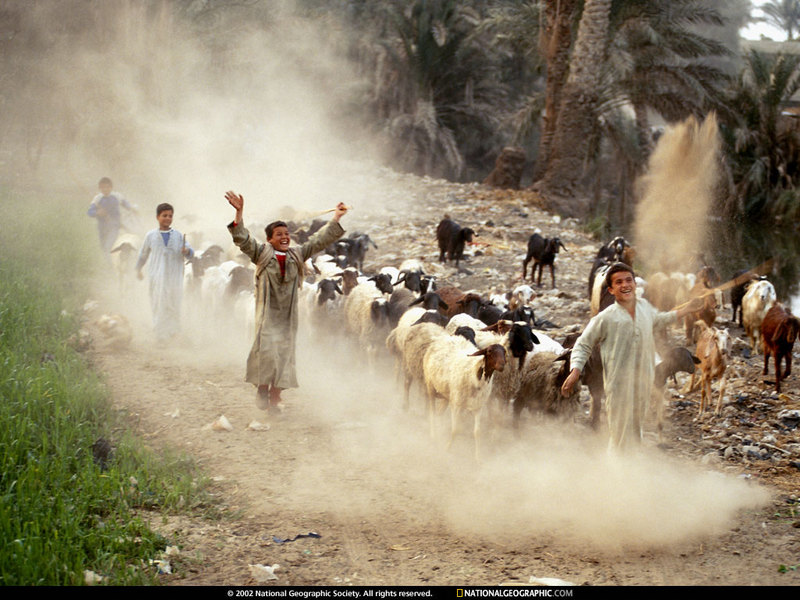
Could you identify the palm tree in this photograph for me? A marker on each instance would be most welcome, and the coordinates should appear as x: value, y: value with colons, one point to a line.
x: 763, y: 145
x: 576, y: 118
x: 783, y: 14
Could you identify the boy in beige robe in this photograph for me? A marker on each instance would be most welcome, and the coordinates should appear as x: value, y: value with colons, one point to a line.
x: 624, y: 331
x: 280, y: 270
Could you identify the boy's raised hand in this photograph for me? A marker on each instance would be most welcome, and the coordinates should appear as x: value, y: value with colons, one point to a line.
x: 235, y: 200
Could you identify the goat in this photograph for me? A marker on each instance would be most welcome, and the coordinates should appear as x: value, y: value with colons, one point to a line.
x: 757, y: 301
x: 452, y: 237
x: 543, y: 251
x: 779, y: 331
x: 706, y: 280
x: 713, y: 350
x: 676, y: 360
x: 745, y: 278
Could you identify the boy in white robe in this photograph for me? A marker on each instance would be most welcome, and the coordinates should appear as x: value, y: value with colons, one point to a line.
x: 166, y: 248
x: 624, y: 331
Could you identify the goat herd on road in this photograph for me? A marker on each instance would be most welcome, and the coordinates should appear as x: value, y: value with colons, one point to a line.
x: 482, y: 354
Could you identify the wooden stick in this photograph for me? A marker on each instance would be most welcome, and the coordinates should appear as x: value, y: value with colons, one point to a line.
x: 325, y: 212
x: 761, y: 269
x: 493, y: 244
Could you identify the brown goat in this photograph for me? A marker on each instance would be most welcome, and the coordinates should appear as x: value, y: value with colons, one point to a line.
x: 706, y: 280
x: 778, y: 333
x: 713, y: 349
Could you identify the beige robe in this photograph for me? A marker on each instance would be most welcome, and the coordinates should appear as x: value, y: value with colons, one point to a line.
x: 272, y: 357
x: 627, y: 350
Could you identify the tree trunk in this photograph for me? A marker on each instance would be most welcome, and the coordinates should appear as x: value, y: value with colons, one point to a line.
x: 555, y: 43
x: 562, y: 183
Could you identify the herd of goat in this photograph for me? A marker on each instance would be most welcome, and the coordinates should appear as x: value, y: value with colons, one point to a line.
x: 479, y: 353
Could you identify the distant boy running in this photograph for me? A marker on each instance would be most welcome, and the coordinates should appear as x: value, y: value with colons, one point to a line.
x: 167, y: 250
x: 280, y: 271
x: 106, y: 208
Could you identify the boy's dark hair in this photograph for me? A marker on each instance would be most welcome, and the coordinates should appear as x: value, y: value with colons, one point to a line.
x: 104, y: 181
x: 162, y: 207
x: 272, y: 226
x: 616, y: 268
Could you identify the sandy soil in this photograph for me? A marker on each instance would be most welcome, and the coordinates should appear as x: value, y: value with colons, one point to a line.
x: 391, y: 506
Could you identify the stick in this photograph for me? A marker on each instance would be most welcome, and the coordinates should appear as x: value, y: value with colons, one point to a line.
x: 761, y: 269
x: 325, y: 212
x: 493, y: 244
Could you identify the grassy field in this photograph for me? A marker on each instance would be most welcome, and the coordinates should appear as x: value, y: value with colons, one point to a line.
x: 62, y: 512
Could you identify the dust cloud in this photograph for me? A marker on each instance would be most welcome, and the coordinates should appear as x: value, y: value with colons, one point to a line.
x: 132, y: 91
x: 555, y: 481
x: 677, y: 194
x: 179, y: 102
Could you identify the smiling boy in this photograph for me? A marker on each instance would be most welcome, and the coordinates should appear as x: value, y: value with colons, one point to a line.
x: 279, y: 274
x: 167, y: 249
x: 624, y: 331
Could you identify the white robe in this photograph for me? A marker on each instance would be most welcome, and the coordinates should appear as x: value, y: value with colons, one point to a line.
x: 165, y: 273
x: 627, y: 350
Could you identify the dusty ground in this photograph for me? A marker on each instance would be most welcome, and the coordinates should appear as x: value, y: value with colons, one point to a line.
x: 715, y: 505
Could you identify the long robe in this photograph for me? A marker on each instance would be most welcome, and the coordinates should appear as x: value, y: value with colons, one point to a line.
x: 627, y: 350
x: 108, y: 226
x: 272, y: 357
x: 165, y: 274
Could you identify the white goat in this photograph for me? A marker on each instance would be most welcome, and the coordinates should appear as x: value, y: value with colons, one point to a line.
x: 757, y: 301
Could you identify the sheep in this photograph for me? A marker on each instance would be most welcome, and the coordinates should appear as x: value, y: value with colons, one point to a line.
x: 409, y: 344
x: 463, y: 377
x: 399, y: 301
x: 540, y: 386
x: 757, y: 301
x: 779, y: 331
x: 543, y: 251
x: 458, y: 301
x: 221, y: 284
x: 431, y: 301
x: 452, y: 237
x: 592, y: 377
x: 713, y: 350
x: 124, y: 253
x: 366, y: 314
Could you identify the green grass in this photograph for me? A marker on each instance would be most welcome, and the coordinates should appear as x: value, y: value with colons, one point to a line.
x: 60, y: 513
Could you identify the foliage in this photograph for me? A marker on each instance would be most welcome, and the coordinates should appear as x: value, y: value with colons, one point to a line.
x: 783, y: 14
x: 763, y: 146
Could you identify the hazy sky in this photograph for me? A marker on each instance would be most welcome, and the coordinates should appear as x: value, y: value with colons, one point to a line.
x: 755, y: 31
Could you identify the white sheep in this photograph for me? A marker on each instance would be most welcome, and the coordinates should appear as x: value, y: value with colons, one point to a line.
x: 463, y: 377
x: 409, y: 344
x: 757, y: 301
x: 366, y: 314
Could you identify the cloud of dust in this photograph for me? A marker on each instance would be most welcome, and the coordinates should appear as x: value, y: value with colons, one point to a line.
x: 670, y: 228
x: 373, y: 461
x: 180, y: 102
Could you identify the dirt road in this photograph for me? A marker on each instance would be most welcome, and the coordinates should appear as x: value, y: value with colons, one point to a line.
x: 391, y: 506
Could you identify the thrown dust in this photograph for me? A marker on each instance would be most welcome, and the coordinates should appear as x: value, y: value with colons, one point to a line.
x: 670, y: 229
